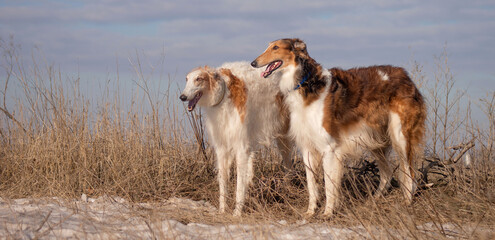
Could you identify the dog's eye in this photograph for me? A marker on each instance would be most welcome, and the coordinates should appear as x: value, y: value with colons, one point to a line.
x: 275, y: 47
x: 198, y: 79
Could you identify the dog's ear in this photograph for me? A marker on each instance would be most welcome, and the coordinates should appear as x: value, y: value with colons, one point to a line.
x: 299, y: 45
x: 216, y: 75
x: 212, y: 73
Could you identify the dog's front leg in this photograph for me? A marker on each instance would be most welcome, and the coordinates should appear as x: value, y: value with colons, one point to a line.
x: 224, y: 160
x: 244, y: 161
x: 332, y: 168
x: 310, y: 164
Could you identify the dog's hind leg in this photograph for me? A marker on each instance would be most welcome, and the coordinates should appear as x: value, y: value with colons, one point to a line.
x: 244, y: 160
x: 285, y: 148
x: 400, y: 144
x: 224, y: 161
x: 380, y: 156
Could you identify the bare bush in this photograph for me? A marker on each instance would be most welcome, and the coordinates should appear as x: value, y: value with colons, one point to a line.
x: 55, y: 142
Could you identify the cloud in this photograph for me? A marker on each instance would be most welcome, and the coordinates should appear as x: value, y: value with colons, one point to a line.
x: 94, y: 33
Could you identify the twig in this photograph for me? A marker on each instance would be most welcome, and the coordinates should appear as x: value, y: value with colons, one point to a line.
x: 51, y: 228
x: 465, y: 148
x: 13, y: 119
x: 44, y: 221
x: 434, y: 161
x: 197, y: 126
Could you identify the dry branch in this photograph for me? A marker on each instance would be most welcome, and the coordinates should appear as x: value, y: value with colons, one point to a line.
x: 9, y: 115
x: 464, y: 148
x: 443, y: 167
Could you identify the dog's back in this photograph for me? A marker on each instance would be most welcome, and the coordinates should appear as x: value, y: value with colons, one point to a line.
x: 371, y: 93
x: 265, y: 117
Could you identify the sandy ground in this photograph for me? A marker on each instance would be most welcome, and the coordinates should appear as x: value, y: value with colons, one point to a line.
x: 113, y: 217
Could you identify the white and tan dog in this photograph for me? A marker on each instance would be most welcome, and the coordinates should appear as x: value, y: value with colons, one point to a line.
x: 334, y: 113
x: 241, y: 112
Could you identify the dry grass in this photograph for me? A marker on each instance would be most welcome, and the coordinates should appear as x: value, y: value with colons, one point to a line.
x: 55, y: 143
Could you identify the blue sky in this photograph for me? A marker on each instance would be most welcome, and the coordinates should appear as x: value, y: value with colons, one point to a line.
x: 93, y: 35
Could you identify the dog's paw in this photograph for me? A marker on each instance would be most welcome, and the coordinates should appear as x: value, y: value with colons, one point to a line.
x: 308, y: 214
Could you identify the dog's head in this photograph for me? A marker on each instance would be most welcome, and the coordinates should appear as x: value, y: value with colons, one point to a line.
x: 281, y: 54
x: 204, y: 87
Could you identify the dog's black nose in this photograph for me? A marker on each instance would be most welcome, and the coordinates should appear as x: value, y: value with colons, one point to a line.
x: 183, y: 97
x: 254, y: 63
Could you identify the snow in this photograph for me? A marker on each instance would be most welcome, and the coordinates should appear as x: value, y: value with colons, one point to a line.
x: 114, y: 217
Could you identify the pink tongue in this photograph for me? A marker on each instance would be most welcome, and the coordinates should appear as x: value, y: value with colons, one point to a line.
x: 267, y: 70
x: 264, y: 73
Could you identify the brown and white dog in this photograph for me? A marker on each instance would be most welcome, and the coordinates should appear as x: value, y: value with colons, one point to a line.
x: 242, y: 111
x: 335, y: 112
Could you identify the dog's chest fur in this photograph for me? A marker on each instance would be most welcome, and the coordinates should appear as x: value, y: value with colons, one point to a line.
x: 307, y: 121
